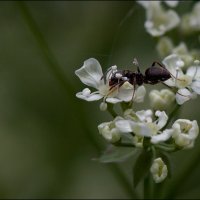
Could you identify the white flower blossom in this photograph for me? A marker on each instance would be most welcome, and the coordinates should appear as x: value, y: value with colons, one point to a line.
x: 158, y: 20
x: 185, y: 132
x: 182, y: 51
x: 188, y: 84
x: 109, y: 131
x: 142, y: 125
x: 91, y: 75
x: 161, y: 100
x: 172, y: 3
x: 190, y: 22
x: 166, y: 47
x: 159, y: 170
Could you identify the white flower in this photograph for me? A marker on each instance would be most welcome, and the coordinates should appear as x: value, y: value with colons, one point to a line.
x: 161, y: 100
x: 188, y: 84
x: 159, y: 170
x: 182, y: 51
x: 158, y: 20
x: 172, y: 3
x: 91, y: 75
x: 165, y: 47
x: 191, y: 21
x: 185, y: 132
x: 109, y: 131
x: 142, y: 125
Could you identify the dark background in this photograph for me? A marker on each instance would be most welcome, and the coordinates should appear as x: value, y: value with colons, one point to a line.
x: 48, y: 137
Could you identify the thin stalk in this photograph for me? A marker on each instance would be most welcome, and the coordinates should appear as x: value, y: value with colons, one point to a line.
x: 111, y: 110
x: 147, y: 187
x: 166, y: 148
x: 172, y: 115
x: 56, y: 70
x: 183, y: 176
x: 123, y: 144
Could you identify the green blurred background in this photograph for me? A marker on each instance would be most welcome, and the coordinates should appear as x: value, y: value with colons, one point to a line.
x: 48, y: 137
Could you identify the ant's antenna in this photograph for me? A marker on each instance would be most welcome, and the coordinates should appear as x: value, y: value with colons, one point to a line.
x: 135, y: 62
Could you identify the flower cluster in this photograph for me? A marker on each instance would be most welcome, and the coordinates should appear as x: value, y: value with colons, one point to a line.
x: 155, y: 131
x: 137, y: 127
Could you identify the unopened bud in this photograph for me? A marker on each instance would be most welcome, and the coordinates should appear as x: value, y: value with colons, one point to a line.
x: 103, y: 106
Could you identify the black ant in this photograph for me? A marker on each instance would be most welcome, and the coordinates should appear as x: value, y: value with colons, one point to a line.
x: 153, y: 75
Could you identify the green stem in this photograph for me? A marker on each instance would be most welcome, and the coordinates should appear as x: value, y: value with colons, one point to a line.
x: 125, y: 105
x: 69, y: 92
x: 168, y: 148
x: 123, y: 144
x: 172, y: 115
x: 183, y: 175
x: 111, y: 110
x: 147, y: 187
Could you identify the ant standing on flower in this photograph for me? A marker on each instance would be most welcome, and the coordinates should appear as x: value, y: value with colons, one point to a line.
x: 153, y: 75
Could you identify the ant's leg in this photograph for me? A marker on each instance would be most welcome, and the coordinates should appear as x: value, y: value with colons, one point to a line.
x: 176, y: 92
x: 105, y: 74
x: 114, y: 87
x: 134, y: 87
x: 163, y: 66
x: 110, y: 71
x: 166, y: 85
x: 156, y: 62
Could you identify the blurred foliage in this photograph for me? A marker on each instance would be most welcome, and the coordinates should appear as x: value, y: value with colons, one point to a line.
x: 44, y: 150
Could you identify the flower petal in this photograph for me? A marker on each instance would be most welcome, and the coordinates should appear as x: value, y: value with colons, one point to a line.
x: 88, y: 96
x: 183, y: 95
x: 172, y: 63
x: 124, y: 126
x: 139, y: 94
x: 158, y: 24
x: 113, y: 100
x: 127, y: 126
x: 194, y: 72
x: 162, y: 119
x: 172, y: 3
x: 145, y: 4
x: 145, y: 115
x: 196, y: 86
x: 125, y: 94
x: 90, y: 73
x: 164, y: 136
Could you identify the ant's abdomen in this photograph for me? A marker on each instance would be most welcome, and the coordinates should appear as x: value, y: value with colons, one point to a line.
x: 154, y: 75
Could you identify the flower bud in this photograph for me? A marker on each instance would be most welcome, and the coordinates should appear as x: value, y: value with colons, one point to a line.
x: 103, y: 106
x: 161, y: 100
x: 196, y: 62
x: 138, y: 141
x: 109, y: 131
x: 185, y: 132
x: 159, y: 170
